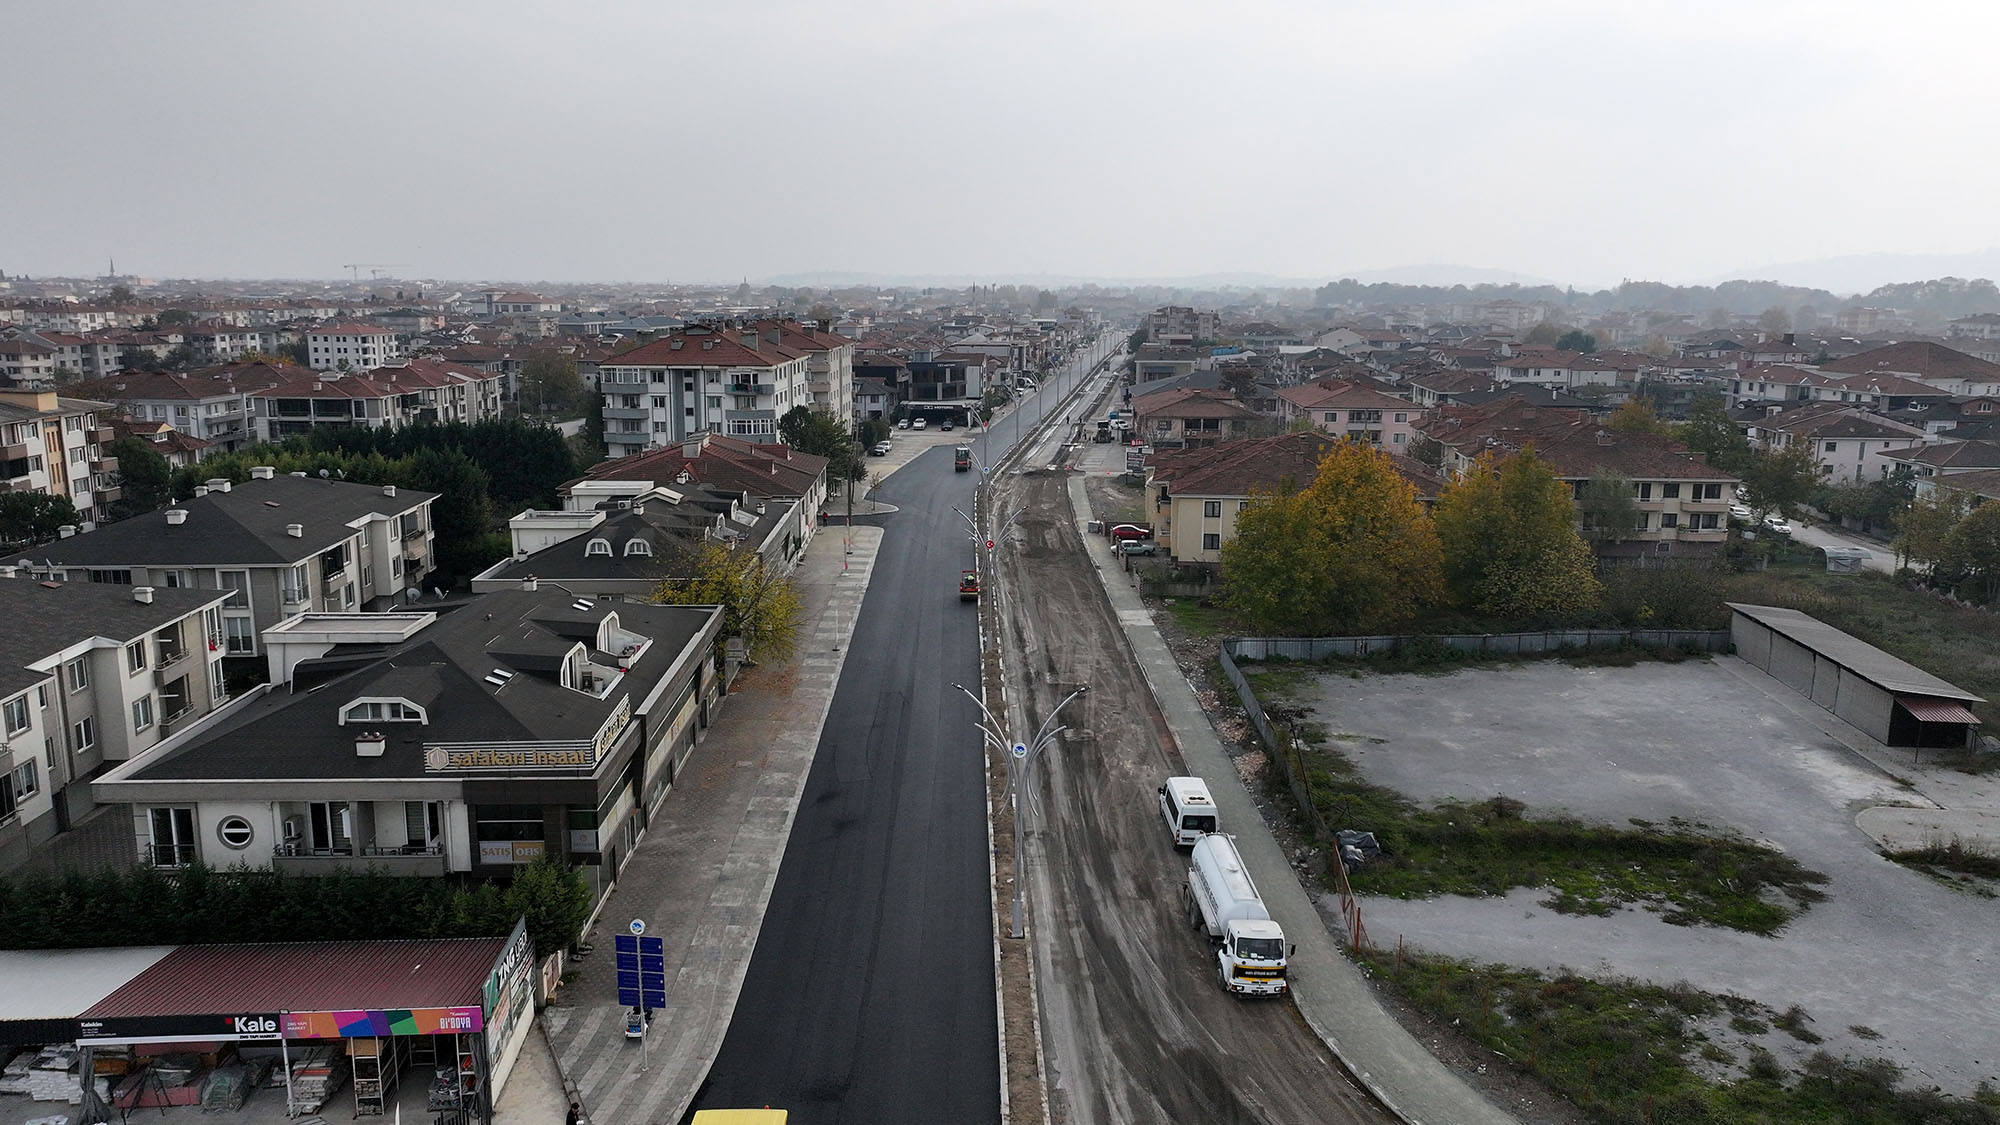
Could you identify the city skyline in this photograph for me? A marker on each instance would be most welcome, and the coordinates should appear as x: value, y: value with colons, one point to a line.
x: 1297, y: 143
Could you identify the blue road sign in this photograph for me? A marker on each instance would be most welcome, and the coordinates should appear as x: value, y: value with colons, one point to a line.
x: 642, y: 971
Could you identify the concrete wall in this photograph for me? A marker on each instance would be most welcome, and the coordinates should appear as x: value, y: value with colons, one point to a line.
x: 1753, y: 641
x: 1860, y: 703
x: 1865, y: 706
x: 1791, y: 664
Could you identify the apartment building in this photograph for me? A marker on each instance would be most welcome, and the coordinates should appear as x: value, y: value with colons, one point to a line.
x: 730, y: 379
x: 213, y: 404
x: 1849, y: 444
x: 1348, y: 409
x: 91, y: 676
x: 350, y: 346
x: 278, y: 546
x: 53, y: 444
x: 386, y: 397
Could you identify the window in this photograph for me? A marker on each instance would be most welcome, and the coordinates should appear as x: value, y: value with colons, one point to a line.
x: 329, y: 827
x: 1331, y: 416
x: 174, y: 579
x: 172, y: 837
x: 1669, y: 520
x: 135, y: 656
x: 77, y: 673
x: 383, y: 711
x: 638, y: 547
x: 1211, y: 542
x: 292, y: 584
x: 17, y: 715
x: 597, y: 547
x: 142, y: 713
x: 1708, y: 491
x: 1670, y: 490
x: 235, y: 832
x: 1644, y: 490
x: 112, y: 577
x: 1831, y: 446
x: 1402, y: 417
x: 1212, y: 509
x: 1398, y: 439
x: 85, y: 732
x: 237, y: 582
x: 238, y: 638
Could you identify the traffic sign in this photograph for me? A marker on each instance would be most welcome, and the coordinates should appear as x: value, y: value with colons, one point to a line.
x: 989, y: 544
x: 642, y: 970
x: 1020, y: 751
x: 638, y: 927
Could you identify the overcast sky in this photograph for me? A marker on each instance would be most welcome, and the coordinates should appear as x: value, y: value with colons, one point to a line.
x: 674, y: 141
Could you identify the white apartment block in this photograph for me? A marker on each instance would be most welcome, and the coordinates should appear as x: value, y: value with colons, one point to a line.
x: 346, y: 346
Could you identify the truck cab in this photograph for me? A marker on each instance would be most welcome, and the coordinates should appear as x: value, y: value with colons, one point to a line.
x: 1188, y: 809
x: 1248, y: 947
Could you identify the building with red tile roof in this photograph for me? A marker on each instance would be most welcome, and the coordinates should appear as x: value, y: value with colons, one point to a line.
x: 733, y: 379
x: 1352, y: 410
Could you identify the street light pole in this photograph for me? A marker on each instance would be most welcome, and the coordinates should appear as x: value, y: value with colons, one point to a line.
x: 1021, y: 758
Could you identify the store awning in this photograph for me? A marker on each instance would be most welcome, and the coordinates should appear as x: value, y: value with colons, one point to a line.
x: 1937, y: 710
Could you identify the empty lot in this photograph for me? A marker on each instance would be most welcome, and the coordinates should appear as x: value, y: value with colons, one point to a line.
x: 1719, y: 744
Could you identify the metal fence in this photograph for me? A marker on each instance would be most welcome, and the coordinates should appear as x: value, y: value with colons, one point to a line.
x: 1505, y: 644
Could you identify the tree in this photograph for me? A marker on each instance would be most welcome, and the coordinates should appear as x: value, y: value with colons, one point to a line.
x: 1780, y: 480
x: 1710, y: 430
x: 119, y: 295
x: 1923, y: 530
x: 588, y: 447
x: 549, y: 384
x: 462, y: 516
x: 1547, y: 332
x: 1427, y: 450
x: 1774, y: 321
x: 1656, y: 345
x: 296, y: 351
x: 1636, y: 416
x: 1511, y: 549
x: 143, y: 475
x: 1973, y: 551
x: 174, y: 318
x: 1577, y: 340
x: 32, y: 517
x: 822, y: 435
x: 759, y: 604
x: 1609, y: 512
x: 1352, y: 552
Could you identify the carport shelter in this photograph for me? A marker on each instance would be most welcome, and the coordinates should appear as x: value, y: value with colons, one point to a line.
x: 462, y: 1004
x: 1892, y: 701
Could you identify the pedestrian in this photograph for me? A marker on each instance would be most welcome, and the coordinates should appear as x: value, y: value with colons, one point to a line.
x: 575, y: 1114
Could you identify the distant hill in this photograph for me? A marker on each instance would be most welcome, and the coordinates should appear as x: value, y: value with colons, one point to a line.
x: 1863, y: 273
x: 1429, y: 274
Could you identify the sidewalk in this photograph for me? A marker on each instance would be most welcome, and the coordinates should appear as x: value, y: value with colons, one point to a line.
x: 702, y: 876
x: 1327, y: 988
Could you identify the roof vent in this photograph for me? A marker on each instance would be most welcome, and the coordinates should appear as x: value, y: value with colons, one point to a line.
x: 388, y: 490
x: 143, y: 595
x: 200, y: 490
x: 297, y: 473
x: 582, y: 604
x: 263, y: 472
x: 530, y: 584
x: 370, y: 744
x: 176, y: 516
x: 296, y: 530
x: 219, y: 484
x: 66, y: 531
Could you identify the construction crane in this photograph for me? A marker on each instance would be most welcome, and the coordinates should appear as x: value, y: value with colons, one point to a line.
x: 374, y: 268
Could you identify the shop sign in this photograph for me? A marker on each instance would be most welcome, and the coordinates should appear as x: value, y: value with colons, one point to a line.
x: 383, y: 1021
x: 511, y: 851
x: 263, y: 1025
x: 444, y: 758
x: 607, y: 735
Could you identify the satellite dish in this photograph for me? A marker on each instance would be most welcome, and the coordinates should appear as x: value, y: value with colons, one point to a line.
x: 322, y: 474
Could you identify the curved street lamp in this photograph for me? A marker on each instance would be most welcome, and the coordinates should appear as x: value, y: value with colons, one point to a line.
x: 1021, y: 758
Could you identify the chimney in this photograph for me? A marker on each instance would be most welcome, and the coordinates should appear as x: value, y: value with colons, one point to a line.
x: 748, y: 338
x: 297, y: 473
x: 1603, y: 437
x: 143, y: 595
x: 773, y: 336
x: 675, y: 344
x: 200, y: 490
x: 388, y: 490
x: 692, y: 446
x: 176, y: 516
x: 219, y: 484
x: 369, y: 744
x: 262, y: 472
x: 296, y: 530
x: 529, y: 585
x: 1791, y: 338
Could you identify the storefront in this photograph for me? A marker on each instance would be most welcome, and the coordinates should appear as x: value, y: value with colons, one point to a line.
x: 312, y: 1025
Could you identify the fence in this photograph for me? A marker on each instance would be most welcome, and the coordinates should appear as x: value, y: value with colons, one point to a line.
x: 1289, y: 756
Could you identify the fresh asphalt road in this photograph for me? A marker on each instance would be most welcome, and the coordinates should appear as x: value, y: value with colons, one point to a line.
x: 870, y: 995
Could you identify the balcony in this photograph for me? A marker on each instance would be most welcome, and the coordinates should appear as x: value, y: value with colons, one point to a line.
x: 101, y: 435
x: 169, y: 666
x: 753, y: 388
x: 179, y: 721
x: 19, y: 450
x: 416, y: 548
x: 104, y: 463
x: 295, y: 859
x: 106, y: 495
x: 335, y: 581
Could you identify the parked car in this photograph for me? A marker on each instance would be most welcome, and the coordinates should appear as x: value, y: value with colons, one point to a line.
x: 1740, y: 512
x: 1776, y: 525
x: 880, y: 449
x: 920, y: 424
x: 902, y: 423
x: 946, y: 427
x: 1136, y: 547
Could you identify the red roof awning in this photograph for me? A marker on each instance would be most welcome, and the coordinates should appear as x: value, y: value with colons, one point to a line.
x: 1937, y: 710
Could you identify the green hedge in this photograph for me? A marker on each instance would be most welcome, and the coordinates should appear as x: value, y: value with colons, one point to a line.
x: 201, y: 905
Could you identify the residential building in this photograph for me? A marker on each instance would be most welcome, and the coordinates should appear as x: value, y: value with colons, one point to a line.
x: 1153, y: 362
x: 1178, y: 324
x: 1934, y: 365
x: 27, y: 363
x: 386, y: 397
x: 53, y: 444
x: 731, y: 379
x: 1770, y: 384
x: 1353, y: 411
x: 1192, y: 417
x: 1196, y: 494
x: 212, y: 405
x: 1979, y: 326
x: 91, y: 676
x: 530, y: 723
x: 520, y: 304
x: 1946, y: 459
x: 278, y: 545
x: 1849, y: 445
x: 772, y: 478
x: 350, y: 346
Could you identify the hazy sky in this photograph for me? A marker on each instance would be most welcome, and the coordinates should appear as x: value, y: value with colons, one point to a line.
x: 1582, y: 142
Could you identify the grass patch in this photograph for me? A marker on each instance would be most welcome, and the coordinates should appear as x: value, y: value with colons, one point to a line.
x: 1276, y: 680
x: 1938, y: 857
x: 1199, y: 621
x: 1488, y: 847
x: 1623, y: 1051
x: 1792, y: 1021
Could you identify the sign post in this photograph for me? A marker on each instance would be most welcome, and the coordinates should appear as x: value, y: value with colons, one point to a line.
x: 642, y: 979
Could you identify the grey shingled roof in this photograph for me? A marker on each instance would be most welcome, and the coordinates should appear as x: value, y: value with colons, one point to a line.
x: 244, y: 526
x: 45, y: 618
x: 1849, y: 651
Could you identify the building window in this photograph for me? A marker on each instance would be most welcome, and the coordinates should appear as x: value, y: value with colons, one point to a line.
x: 235, y: 832
x: 383, y: 711
x: 172, y: 837
x: 1403, y: 417
x: 1669, y: 520
x: 329, y: 827
x: 86, y: 733
x: 17, y: 715
x: 1211, y: 541
x: 135, y: 656
x: 1831, y: 446
x: 1211, y: 509
x: 237, y: 582
x: 638, y: 547
x: 1670, y: 490
x: 77, y: 674
x: 597, y: 547
x: 112, y: 577
x: 142, y: 713
x: 238, y: 637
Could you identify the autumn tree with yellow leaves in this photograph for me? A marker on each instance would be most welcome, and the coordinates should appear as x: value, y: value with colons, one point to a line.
x: 1511, y: 548
x: 1352, y: 552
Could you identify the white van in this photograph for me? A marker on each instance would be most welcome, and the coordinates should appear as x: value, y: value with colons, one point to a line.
x: 1188, y: 809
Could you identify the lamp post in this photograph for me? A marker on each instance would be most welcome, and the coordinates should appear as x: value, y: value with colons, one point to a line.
x: 1021, y: 758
